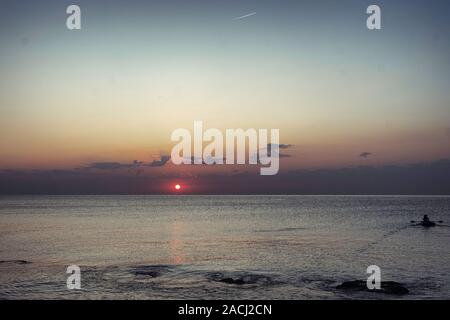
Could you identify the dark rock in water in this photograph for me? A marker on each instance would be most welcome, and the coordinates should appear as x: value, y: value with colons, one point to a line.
x: 152, y: 271
x: 232, y: 281
x: 387, y: 287
x: 242, y: 278
x: 16, y: 261
x: 152, y: 274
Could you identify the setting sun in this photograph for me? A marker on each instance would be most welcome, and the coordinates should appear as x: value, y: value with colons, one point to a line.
x: 177, y: 187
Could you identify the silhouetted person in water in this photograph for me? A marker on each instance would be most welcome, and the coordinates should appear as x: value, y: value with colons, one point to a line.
x: 426, y: 222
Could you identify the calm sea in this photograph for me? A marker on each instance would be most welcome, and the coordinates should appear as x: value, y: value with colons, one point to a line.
x: 189, y: 247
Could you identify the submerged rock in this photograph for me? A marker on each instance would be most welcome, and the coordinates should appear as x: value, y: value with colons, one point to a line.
x: 232, y: 281
x: 15, y: 261
x: 152, y: 271
x: 152, y: 274
x: 387, y: 287
x: 241, y: 279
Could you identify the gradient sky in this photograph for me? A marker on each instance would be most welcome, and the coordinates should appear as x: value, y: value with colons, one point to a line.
x: 115, y: 90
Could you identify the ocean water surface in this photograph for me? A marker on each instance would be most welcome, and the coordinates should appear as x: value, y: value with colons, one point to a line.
x: 221, y: 247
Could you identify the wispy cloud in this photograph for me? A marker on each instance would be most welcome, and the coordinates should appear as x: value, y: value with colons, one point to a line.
x: 365, y: 155
x: 263, y: 153
x: 280, y: 147
x: 244, y: 16
x: 133, y: 165
x: 108, y: 165
x: 159, y: 163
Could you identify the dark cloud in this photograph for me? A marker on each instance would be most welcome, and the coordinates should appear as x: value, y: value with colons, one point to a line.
x: 134, y: 165
x: 108, y: 165
x: 418, y: 178
x: 159, y: 163
x: 280, y: 147
x: 210, y: 159
x: 284, y: 155
x: 365, y: 155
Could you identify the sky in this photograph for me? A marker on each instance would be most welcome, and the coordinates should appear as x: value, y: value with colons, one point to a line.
x: 103, y: 100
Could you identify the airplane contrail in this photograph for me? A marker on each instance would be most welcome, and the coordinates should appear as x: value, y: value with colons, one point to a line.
x: 245, y: 16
